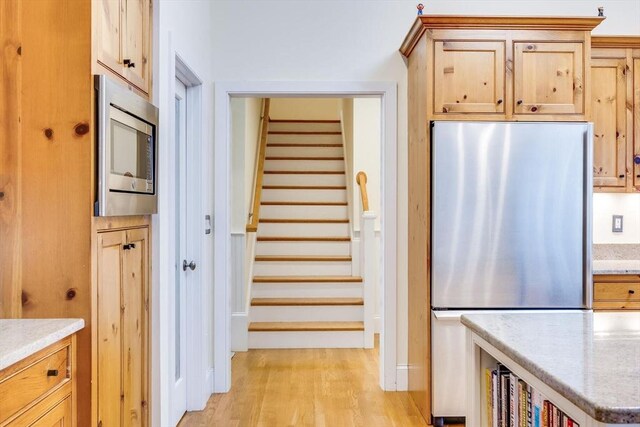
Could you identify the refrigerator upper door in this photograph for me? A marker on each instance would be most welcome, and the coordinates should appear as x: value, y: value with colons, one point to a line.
x: 511, y: 209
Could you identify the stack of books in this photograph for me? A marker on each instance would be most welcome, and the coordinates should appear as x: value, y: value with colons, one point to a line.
x: 512, y: 402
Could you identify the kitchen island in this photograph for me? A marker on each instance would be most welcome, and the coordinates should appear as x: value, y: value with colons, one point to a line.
x: 586, y: 365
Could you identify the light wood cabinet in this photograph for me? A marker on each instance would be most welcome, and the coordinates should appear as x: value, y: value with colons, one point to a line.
x: 479, y: 68
x: 39, y: 390
x: 616, y: 292
x: 122, y: 40
x: 548, y: 78
x: 122, y: 327
x: 613, y: 105
x: 469, y: 76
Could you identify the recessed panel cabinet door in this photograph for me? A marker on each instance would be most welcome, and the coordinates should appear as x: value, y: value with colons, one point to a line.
x: 134, y: 327
x: 469, y: 76
x: 108, y: 32
x: 136, y: 43
x: 548, y: 78
x: 109, y: 352
x: 608, y: 109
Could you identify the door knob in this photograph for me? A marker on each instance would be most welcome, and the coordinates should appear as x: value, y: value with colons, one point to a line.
x: 191, y: 265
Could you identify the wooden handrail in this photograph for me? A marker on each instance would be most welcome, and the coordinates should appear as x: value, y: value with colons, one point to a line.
x: 361, y: 179
x: 252, y: 226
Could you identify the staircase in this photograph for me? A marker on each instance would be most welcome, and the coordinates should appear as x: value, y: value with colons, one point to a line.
x: 303, y: 292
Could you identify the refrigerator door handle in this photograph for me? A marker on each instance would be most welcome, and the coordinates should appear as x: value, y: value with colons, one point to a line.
x: 588, y: 220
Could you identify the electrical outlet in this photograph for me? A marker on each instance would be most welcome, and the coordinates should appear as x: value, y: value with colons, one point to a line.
x: 617, y: 224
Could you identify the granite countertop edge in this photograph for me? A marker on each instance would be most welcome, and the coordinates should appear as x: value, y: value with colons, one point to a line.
x: 21, y: 352
x: 613, y: 415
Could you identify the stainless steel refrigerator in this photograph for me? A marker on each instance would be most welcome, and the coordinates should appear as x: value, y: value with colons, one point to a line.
x: 511, y: 230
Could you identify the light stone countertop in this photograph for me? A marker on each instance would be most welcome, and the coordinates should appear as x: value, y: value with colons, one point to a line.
x: 592, y: 359
x: 616, y: 266
x: 20, y: 338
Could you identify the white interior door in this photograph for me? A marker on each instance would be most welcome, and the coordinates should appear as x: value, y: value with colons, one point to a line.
x: 179, y: 366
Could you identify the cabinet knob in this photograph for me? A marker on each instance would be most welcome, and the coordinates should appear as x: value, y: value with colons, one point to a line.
x: 499, y: 101
x: 636, y: 160
x: 52, y: 373
x: 191, y: 265
x: 519, y: 102
x: 128, y: 63
x: 631, y: 291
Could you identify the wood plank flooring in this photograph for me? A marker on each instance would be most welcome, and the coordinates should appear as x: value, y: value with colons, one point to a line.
x: 310, y: 387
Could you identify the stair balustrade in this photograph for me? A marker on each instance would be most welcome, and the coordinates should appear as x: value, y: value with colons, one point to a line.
x: 368, y: 259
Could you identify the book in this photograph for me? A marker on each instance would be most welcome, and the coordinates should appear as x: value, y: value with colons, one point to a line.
x: 522, y: 394
x: 545, y: 413
x: 488, y: 384
x: 537, y: 403
x: 494, y: 397
x: 529, y: 406
x: 513, y: 401
x: 504, y: 396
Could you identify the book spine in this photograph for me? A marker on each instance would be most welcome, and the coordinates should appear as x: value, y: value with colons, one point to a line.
x: 488, y: 395
x: 545, y: 414
x: 529, y: 407
x: 494, y: 397
x: 513, y: 401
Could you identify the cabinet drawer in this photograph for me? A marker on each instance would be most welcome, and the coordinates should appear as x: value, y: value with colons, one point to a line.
x: 616, y: 291
x: 28, y: 383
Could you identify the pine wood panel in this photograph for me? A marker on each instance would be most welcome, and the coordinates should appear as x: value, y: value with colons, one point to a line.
x: 469, y: 76
x: 617, y: 291
x: 59, y: 416
x: 10, y: 152
x: 136, y: 42
x: 419, y: 334
x: 108, y: 29
x: 56, y: 410
x: 616, y: 305
x: 109, y: 328
x: 135, y: 318
x: 609, y: 114
x: 548, y: 78
x: 56, y: 166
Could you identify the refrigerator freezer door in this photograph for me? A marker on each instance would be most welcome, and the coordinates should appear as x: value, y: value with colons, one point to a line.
x: 511, y: 215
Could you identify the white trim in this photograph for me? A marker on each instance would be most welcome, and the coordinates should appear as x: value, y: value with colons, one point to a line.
x: 239, y: 331
x: 222, y: 304
x: 376, y: 324
x: 402, y: 375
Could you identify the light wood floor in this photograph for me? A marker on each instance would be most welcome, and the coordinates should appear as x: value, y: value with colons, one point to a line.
x: 317, y: 387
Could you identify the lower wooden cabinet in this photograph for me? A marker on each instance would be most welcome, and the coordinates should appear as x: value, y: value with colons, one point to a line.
x: 39, y: 390
x: 122, y: 327
x: 616, y: 292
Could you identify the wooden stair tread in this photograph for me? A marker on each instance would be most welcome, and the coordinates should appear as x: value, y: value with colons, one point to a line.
x: 307, y: 279
x: 302, y: 158
x: 280, y: 172
x: 305, y: 301
x: 287, y: 203
x: 305, y: 326
x: 303, y: 221
x: 304, y: 187
x: 294, y: 258
x: 302, y: 121
x: 278, y: 144
x: 292, y: 132
x: 303, y: 239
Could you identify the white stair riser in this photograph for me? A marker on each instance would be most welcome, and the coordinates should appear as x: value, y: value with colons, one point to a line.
x: 296, y: 195
x: 302, y: 268
x: 309, y: 152
x: 303, y: 230
x: 304, y: 127
x: 306, y: 290
x: 304, y: 179
x: 303, y: 248
x: 304, y: 165
x: 332, y: 313
x: 304, y: 139
x: 304, y: 212
x: 319, y: 339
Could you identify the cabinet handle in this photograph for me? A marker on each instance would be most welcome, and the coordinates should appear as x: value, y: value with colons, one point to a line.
x: 519, y: 102
x: 631, y: 291
x: 128, y: 246
x: 52, y: 373
x: 620, y: 176
x: 128, y: 63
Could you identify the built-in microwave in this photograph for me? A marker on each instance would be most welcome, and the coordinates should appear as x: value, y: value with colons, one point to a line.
x: 127, y: 135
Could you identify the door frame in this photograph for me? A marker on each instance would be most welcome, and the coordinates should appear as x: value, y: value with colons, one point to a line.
x: 163, y: 274
x: 224, y: 91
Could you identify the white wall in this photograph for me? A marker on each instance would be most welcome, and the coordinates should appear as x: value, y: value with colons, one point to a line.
x: 305, y: 108
x: 359, y: 41
x: 183, y: 27
x: 605, y: 205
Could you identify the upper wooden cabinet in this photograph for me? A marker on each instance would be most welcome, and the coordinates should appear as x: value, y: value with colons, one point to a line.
x: 122, y: 36
x: 504, y: 68
x: 615, y: 84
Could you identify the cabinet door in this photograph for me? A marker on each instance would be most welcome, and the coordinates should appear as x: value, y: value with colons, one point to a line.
x: 469, y: 77
x: 109, y: 351
x: 136, y: 42
x: 135, y: 327
x: 548, y: 78
x: 608, y: 109
x: 58, y: 416
x: 108, y: 33
x: 636, y: 123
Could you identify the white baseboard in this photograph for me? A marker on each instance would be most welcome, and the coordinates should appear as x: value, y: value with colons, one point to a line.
x: 239, y: 332
x: 210, y: 380
x: 402, y: 377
